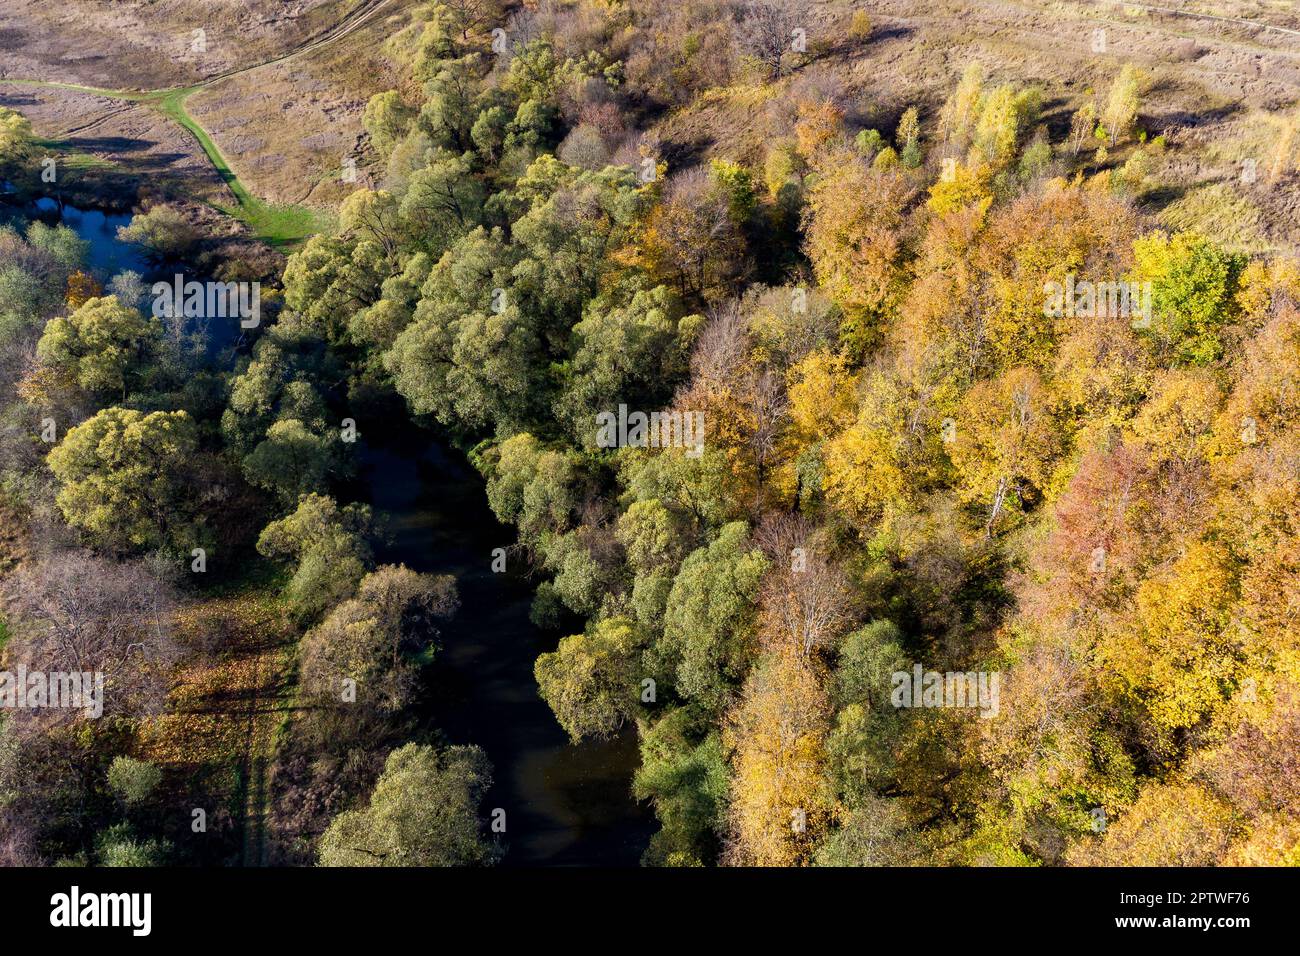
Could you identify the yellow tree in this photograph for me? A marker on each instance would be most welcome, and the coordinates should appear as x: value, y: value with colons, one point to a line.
x: 1004, y: 444
x: 1120, y: 112
x: 1171, y: 824
x: 866, y: 465
x: 780, y: 803
x: 961, y: 111
x: 823, y: 402
x: 1180, y: 652
x: 15, y: 135
x: 854, y: 228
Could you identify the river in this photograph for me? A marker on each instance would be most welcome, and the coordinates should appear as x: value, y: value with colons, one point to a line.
x: 564, y: 804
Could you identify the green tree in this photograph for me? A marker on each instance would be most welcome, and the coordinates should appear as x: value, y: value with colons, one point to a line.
x: 330, y: 278
x: 632, y: 355
x: 707, y: 644
x: 443, y: 201
x: 531, y: 487
x: 590, y: 681
x: 103, y: 347
x: 15, y: 136
x: 686, y: 779
x: 124, y: 479
x: 292, y: 460
x: 423, y: 812
x: 164, y: 231
x: 118, y: 846
x: 1193, y: 287
x: 329, y: 547
x: 133, y: 780
x: 386, y: 119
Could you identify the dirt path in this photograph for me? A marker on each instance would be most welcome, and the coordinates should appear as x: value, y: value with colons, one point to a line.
x: 227, y: 704
x: 357, y: 18
x: 1210, y: 16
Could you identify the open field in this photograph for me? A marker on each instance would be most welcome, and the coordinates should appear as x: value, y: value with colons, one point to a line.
x: 267, y: 175
x: 150, y: 45
x: 1220, y: 92
x: 279, y: 116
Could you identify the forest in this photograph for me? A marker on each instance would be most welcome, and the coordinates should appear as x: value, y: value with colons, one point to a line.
x: 900, y: 487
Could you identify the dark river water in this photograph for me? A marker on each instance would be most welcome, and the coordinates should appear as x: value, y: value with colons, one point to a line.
x: 564, y: 804
x: 106, y: 256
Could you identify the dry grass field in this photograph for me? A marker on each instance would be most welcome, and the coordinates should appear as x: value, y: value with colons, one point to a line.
x: 284, y: 84
x: 1220, y: 92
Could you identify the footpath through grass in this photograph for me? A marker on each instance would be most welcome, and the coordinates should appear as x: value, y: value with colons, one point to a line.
x: 277, y: 225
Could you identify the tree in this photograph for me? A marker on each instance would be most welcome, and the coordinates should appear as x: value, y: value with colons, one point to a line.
x: 292, y: 460
x: 865, y: 470
x: 125, y: 479
x: 686, y: 779
x: 163, y: 230
x: 82, y: 287
x: 779, y: 805
x: 584, y: 147
x: 133, y: 780
x: 330, y: 279
x: 471, y: 15
x: 822, y: 396
x: 372, y: 215
x: 1005, y: 114
x: 591, y: 680
x: 908, y: 138
x: 707, y: 644
x: 766, y: 32
x: 379, y: 638
x: 532, y: 487
x: 1173, y: 824
x: 102, y: 348
x: 1082, y: 126
x: 118, y: 846
x: 691, y: 239
x: 1193, y: 286
x: 447, y: 116
x: 861, y: 747
x: 961, y: 110
x: 819, y: 128
x: 328, y: 544
x: 76, y: 612
x: 1005, y: 443
x: 804, y: 602
x: 1120, y: 112
x: 443, y: 201
x: 854, y: 239
x: 15, y: 136
x: 423, y: 812
x: 386, y: 119
x: 632, y: 355
x: 874, y: 834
